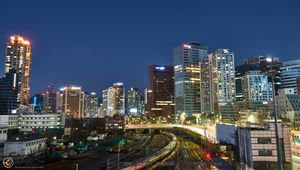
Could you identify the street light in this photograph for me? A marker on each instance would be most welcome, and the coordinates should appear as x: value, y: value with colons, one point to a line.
x: 272, y: 73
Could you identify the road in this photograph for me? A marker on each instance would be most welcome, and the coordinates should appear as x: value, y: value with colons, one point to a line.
x: 190, y: 155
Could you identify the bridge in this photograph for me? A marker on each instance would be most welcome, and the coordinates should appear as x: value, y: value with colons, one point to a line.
x: 208, y: 131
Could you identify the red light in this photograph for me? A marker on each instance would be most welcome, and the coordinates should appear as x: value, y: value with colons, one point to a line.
x: 207, y: 155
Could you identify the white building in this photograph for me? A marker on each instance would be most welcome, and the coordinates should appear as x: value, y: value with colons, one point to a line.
x: 256, y: 86
x: 29, y: 121
x: 115, y: 103
x: 25, y: 146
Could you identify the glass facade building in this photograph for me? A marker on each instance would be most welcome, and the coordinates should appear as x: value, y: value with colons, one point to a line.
x: 187, y: 77
x: 289, y: 72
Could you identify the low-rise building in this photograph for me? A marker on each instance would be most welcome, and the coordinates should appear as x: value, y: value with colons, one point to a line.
x: 25, y: 146
x: 288, y: 106
x: 257, y: 145
x: 29, y: 121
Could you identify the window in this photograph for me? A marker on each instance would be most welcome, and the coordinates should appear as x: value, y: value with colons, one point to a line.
x: 264, y: 140
x: 264, y: 152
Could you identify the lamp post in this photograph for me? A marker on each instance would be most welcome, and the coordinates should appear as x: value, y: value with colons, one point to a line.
x: 278, y: 147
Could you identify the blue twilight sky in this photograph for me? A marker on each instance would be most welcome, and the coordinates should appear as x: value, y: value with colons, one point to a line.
x: 96, y: 43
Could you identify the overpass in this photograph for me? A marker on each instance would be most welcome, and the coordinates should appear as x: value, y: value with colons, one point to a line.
x: 208, y: 131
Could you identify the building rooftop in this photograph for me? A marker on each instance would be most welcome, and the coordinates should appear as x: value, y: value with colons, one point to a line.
x: 25, y: 139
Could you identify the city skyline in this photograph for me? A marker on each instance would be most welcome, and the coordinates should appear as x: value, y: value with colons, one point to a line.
x: 136, y: 45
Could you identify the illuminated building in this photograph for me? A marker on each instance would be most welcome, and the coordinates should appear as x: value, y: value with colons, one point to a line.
x: 91, y: 105
x: 256, y: 86
x: 115, y: 104
x: 134, y: 102
x: 187, y: 78
x: 289, y: 72
x: 222, y: 87
x: 298, y: 85
x: 205, y: 91
x: 52, y: 101
x: 73, y: 101
x: 160, y: 97
x: 104, y: 102
x: 239, y: 73
x: 265, y: 64
x: 18, y: 57
x: 36, y: 103
x: 9, y: 93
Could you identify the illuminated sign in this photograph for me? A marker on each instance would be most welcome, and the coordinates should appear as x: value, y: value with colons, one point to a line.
x: 160, y: 68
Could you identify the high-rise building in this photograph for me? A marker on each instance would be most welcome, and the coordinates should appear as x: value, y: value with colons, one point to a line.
x: 115, y: 104
x: 256, y: 87
x: 134, y: 102
x: 18, y: 57
x: 51, y: 103
x: 289, y: 72
x: 160, y: 97
x: 205, y: 87
x: 91, y: 105
x: 298, y: 85
x: 73, y: 101
x: 9, y: 93
x: 36, y: 103
x: 222, y: 83
x: 239, y: 73
x: 264, y: 63
x: 187, y: 78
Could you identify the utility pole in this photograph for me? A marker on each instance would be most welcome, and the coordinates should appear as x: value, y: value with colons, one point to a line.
x: 278, y: 147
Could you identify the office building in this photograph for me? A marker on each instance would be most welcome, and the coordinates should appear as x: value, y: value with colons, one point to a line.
x: 36, y: 103
x: 289, y: 72
x: 91, y: 105
x: 187, y: 78
x: 134, y: 102
x: 9, y: 93
x: 18, y: 57
x: 256, y: 87
x: 160, y: 100
x: 52, y: 101
x: 114, y: 99
x: 206, y: 94
x: 264, y: 63
x: 239, y: 73
x: 288, y: 106
x: 29, y: 121
x: 298, y: 85
x: 73, y: 101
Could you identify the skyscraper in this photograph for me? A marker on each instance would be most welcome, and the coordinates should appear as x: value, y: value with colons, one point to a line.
x: 134, y: 102
x: 221, y: 83
x: 187, y: 77
x: 289, y: 72
x: 160, y: 100
x: 51, y: 100
x: 18, y: 57
x: 115, y: 100
x: 73, y: 101
x: 206, y: 95
x: 91, y: 105
x: 9, y: 93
